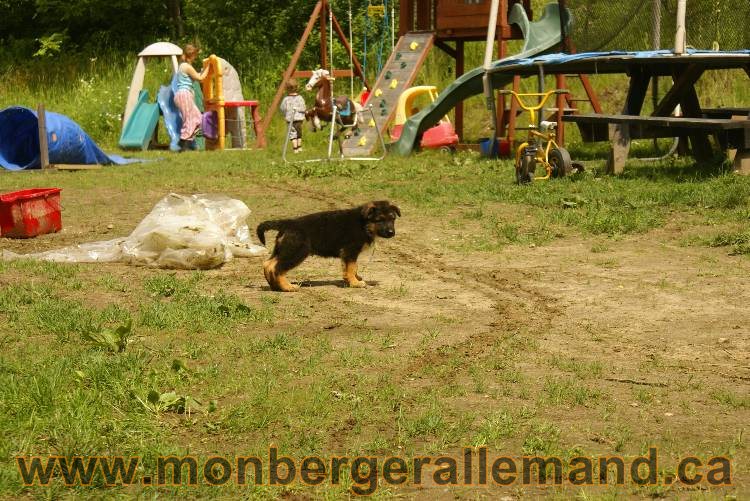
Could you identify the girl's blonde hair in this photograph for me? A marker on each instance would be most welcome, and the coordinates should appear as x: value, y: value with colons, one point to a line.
x: 190, y: 50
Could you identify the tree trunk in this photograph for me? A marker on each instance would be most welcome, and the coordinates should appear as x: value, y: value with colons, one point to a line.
x: 174, y: 13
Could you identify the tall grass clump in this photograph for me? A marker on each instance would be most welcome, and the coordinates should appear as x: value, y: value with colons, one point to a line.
x: 91, y: 91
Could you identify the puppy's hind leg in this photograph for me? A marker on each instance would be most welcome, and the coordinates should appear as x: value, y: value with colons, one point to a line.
x: 276, y: 276
x: 269, y: 270
x: 289, y: 252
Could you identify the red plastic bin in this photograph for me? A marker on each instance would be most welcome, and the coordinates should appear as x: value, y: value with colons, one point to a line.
x: 28, y: 213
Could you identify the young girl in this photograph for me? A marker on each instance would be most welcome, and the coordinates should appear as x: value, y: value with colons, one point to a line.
x: 184, y: 97
x: 293, y: 109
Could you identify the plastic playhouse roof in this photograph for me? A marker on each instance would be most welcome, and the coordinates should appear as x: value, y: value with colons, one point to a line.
x: 161, y: 49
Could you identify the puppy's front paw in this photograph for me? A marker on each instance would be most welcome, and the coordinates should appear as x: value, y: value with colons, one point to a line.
x: 357, y: 283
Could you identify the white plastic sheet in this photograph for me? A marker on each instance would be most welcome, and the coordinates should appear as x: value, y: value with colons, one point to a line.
x: 181, y: 232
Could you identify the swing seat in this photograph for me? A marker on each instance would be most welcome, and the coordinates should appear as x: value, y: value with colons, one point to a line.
x: 347, y: 111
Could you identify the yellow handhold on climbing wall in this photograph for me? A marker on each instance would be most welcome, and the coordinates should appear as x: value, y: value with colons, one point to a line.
x: 414, y: 45
x: 371, y: 123
x: 362, y: 141
x: 394, y: 83
x: 378, y: 92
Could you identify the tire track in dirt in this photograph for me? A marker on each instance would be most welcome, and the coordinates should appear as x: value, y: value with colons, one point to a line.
x: 515, y: 304
x: 500, y: 289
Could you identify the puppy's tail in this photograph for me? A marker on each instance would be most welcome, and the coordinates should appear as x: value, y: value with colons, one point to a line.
x: 278, y: 225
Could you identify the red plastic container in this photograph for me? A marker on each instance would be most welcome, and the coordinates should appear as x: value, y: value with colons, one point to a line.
x: 28, y: 213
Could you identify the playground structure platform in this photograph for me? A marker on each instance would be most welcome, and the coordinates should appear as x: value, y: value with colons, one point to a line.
x: 406, y: 60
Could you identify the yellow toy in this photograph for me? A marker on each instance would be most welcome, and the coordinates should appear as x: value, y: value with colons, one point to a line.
x: 442, y: 136
x: 555, y: 159
x: 217, y: 97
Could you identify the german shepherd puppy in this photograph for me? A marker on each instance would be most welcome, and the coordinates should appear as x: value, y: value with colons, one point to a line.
x: 339, y: 233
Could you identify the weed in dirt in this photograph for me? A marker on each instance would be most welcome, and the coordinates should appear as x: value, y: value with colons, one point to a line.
x: 663, y: 283
x: 195, y: 312
x: 608, y: 264
x: 650, y: 362
x: 111, y: 283
x: 731, y: 399
x: 738, y: 241
x: 542, y: 439
x: 581, y: 368
x: 643, y: 395
x: 398, y: 292
x: 42, y: 269
x: 494, y: 428
x: 168, y: 284
x: 617, y: 436
x: 478, y: 379
x: 430, y: 422
x: 559, y: 391
x: 599, y: 248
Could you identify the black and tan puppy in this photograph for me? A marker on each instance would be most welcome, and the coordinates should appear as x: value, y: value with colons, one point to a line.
x: 339, y: 233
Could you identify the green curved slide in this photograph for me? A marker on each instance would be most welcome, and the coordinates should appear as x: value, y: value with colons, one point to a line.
x: 140, y: 128
x: 539, y: 36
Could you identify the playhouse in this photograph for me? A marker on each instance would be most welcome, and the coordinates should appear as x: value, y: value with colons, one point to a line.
x: 219, y: 95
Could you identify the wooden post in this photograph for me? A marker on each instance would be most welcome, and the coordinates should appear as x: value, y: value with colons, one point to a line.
x: 560, y: 102
x: 590, y: 94
x: 405, y: 17
x: 324, y: 34
x: 260, y: 134
x: 742, y: 162
x: 513, y: 113
x: 566, y: 45
x: 43, y: 146
x: 460, y: 106
x: 619, y: 134
x: 424, y: 15
x: 741, y: 157
x: 619, y: 137
x: 292, y: 64
x: 502, y: 116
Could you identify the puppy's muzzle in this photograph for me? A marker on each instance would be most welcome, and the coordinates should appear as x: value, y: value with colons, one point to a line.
x: 388, y: 233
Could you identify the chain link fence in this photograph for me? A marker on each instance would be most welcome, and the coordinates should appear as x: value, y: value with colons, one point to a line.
x: 600, y: 25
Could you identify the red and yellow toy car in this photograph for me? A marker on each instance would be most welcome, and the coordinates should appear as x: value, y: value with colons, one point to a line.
x: 442, y: 136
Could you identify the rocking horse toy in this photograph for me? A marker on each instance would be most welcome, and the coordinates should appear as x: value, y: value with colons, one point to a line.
x: 347, y: 111
x: 345, y: 117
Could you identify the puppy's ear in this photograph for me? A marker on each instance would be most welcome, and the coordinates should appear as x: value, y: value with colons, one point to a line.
x: 368, y: 211
x: 396, y: 210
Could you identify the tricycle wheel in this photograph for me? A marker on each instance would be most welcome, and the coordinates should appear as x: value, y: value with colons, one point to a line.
x: 447, y: 149
x: 525, y: 170
x: 559, y: 160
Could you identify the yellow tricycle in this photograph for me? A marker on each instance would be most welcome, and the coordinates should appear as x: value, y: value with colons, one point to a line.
x: 540, y: 147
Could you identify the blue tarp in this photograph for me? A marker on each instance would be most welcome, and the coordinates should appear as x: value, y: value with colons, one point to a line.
x: 67, y: 142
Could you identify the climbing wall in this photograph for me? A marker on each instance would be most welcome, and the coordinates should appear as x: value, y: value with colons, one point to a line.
x: 398, y: 74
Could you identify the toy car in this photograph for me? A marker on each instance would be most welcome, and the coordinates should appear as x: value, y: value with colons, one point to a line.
x: 441, y: 136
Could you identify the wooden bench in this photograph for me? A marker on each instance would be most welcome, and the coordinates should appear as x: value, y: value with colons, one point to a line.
x: 725, y: 112
x: 731, y: 133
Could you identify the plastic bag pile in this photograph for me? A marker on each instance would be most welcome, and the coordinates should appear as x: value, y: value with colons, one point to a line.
x: 182, y: 232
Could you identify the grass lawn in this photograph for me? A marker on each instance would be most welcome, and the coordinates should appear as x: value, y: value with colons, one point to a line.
x: 588, y: 316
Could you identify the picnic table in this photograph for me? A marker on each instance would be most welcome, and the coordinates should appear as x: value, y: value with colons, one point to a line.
x: 730, y: 126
